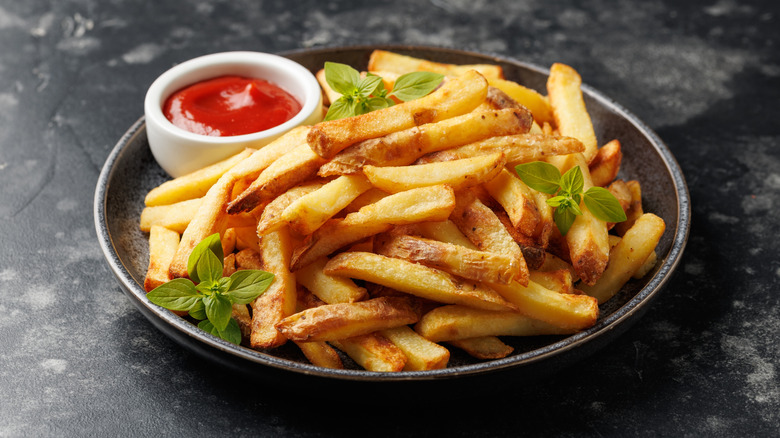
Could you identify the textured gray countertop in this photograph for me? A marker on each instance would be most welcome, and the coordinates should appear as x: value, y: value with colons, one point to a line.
x: 77, y: 358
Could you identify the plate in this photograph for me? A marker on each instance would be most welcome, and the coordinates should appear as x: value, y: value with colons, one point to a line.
x: 130, y: 172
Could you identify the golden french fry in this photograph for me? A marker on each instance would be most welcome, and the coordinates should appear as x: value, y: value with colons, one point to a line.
x: 371, y: 196
x: 445, y: 231
x: 568, y: 107
x: 310, y: 211
x: 229, y: 265
x: 634, y: 210
x: 248, y: 258
x: 251, y: 167
x: 271, y: 218
x: 292, y: 168
x: 531, y: 99
x: 455, y: 259
x: 162, y: 247
x: 567, y: 311
x: 432, y: 203
x: 240, y: 312
x: 455, y: 97
x: 332, y: 322
x: 193, y: 185
x: 421, y: 354
x: 627, y: 256
x: 560, y: 280
x: 485, y: 347
x: 649, y: 264
x: 279, y: 300
x: 383, y: 60
x: 373, y: 352
x: 448, y: 323
x: 519, y: 148
x: 403, y: 147
x: 415, y: 279
x: 228, y: 240
x: 174, y: 217
x: 517, y: 199
x: 320, y: 354
x: 619, y: 189
x: 330, y: 289
x: 606, y: 164
x: 330, y: 95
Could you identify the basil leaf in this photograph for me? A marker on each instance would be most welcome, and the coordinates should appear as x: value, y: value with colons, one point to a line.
x: 209, y: 268
x: 248, y: 284
x: 198, y: 311
x: 377, y: 103
x: 563, y: 218
x: 209, y: 243
x: 380, y: 91
x: 177, y: 294
x: 231, y: 333
x: 540, y: 176
x: 414, y: 85
x: 218, y: 310
x: 604, y: 205
x: 368, y: 85
x: 341, y: 77
x: 343, y: 107
x: 557, y: 201
x: 572, y: 181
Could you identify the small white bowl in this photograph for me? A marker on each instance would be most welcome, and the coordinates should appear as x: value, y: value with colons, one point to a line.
x: 180, y: 152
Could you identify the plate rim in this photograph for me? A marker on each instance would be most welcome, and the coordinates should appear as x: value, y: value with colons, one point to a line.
x: 616, y: 319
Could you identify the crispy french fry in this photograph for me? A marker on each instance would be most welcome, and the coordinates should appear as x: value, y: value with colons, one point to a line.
x: 246, y: 237
x: 527, y: 97
x: 567, y: 311
x: 520, y: 148
x: 332, y: 322
x: 320, y: 354
x: 193, y: 185
x: 533, y: 253
x: 455, y: 259
x: 649, y: 264
x: 448, y: 323
x: 497, y: 99
x: 240, y: 312
x: 445, y: 231
x: 248, y: 258
x: 568, y: 107
x: 229, y: 265
x: 174, y: 217
x: 403, y: 147
x: 330, y: 95
x: 517, y: 199
x: 310, y: 211
x: 373, y: 352
x: 371, y: 196
x: 330, y: 289
x: 485, y: 347
x: 292, y: 168
x: 251, y: 167
x: 606, y: 164
x: 432, y: 203
x: 279, y: 301
x: 271, y: 218
x: 627, y: 256
x: 455, y: 97
x: 559, y: 280
x: 634, y: 210
x: 421, y: 354
x: 228, y: 240
x: 383, y: 60
x: 415, y: 279
x: 622, y: 193
x: 162, y: 247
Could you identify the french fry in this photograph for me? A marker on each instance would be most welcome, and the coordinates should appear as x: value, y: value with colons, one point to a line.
x: 228, y: 240
x: 240, y: 312
x: 248, y: 258
x: 394, y: 62
x: 432, y: 203
x: 288, y: 170
x: 330, y: 289
x: 229, y: 265
x: 320, y: 354
x: 497, y: 99
x: 455, y: 97
x: 453, y: 322
x: 174, y: 217
x: 404, y: 147
x: 330, y: 95
x: 627, y: 257
x: 371, y: 196
x: 457, y: 174
x: 373, y: 352
x: 559, y: 280
x: 310, y: 211
x: 531, y: 99
x: 455, y: 259
x: 279, y: 300
x: 567, y: 311
x: 481, y: 225
x: 271, y: 218
x: 485, y: 347
x: 554, y: 263
x: 162, y: 247
x: 568, y: 107
x: 634, y: 210
x: 606, y: 164
x: 251, y: 167
x: 517, y: 199
x: 445, y: 231
x: 649, y: 264
x: 331, y: 322
x: 246, y: 237
x: 519, y: 148
x: 533, y: 253
x: 193, y: 185
x: 415, y: 279
x: 619, y: 189
x: 421, y: 354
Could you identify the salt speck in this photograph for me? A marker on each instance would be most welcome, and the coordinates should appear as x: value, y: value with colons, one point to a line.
x: 56, y: 366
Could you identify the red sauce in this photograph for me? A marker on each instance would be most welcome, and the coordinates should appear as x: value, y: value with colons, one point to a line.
x: 230, y: 105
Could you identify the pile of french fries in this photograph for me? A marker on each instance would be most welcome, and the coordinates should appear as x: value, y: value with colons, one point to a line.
x: 399, y: 234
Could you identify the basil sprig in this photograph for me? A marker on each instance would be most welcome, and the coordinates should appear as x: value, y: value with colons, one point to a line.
x: 211, y: 300
x: 363, y: 95
x: 567, y: 191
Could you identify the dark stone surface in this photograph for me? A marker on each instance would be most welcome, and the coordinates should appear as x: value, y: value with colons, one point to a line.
x: 78, y: 359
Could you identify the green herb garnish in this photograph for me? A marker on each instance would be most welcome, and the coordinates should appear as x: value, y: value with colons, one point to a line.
x: 567, y: 191
x: 363, y: 95
x: 211, y: 301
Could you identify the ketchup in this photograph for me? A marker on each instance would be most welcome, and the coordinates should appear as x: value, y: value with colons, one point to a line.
x: 230, y: 105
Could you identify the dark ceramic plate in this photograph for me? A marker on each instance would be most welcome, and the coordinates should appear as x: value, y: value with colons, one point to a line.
x: 130, y: 172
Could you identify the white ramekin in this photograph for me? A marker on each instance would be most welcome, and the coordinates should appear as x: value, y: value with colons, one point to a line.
x: 179, y: 151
